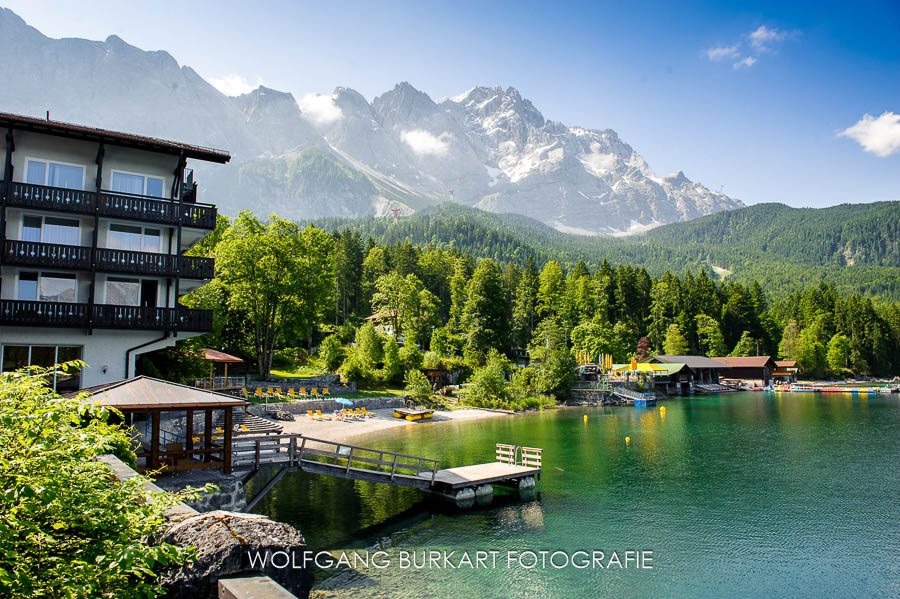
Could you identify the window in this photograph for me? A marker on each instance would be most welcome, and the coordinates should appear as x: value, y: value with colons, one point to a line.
x: 123, y: 292
x: 20, y: 356
x: 55, y: 174
x: 57, y: 287
x: 46, y: 287
x: 135, y: 184
x: 137, y: 239
x: 28, y: 286
x: 51, y: 229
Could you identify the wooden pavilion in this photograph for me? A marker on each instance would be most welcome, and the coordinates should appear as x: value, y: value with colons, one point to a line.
x: 216, y: 357
x: 174, y: 423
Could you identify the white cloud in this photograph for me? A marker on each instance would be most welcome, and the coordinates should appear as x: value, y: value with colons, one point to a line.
x: 747, y: 61
x: 233, y: 84
x: 762, y: 37
x: 424, y: 143
x: 880, y: 136
x: 721, y: 53
x: 320, y: 108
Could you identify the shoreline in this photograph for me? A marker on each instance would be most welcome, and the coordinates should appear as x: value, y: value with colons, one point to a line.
x: 347, y: 430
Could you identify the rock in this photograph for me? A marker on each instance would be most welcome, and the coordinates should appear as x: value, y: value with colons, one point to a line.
x: 225, y: 541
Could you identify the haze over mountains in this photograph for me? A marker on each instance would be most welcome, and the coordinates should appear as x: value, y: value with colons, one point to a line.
x: 339, y: 155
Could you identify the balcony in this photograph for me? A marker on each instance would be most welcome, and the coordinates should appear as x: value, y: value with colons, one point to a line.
x: 105, y: 316
x: 112, y: 205
x: 50, y: 255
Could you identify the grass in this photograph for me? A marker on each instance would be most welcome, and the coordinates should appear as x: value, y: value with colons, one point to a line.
x: 308, y: 368
x: 377, y: 392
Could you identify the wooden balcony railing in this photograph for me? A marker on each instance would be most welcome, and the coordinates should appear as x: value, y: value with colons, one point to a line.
x: 32, y: 253
x: 50, y: 255
x: 112, y: 204
x: 105, y: 316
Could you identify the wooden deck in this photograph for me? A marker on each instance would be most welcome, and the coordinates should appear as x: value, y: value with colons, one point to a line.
x: 317, y: 456
x: 482, y: 474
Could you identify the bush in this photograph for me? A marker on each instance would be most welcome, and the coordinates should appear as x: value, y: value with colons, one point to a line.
x: 417, y: 386
x: 431, y: 360
x: 67, y: 528
x: 411, y: 355
x: 332, y: 353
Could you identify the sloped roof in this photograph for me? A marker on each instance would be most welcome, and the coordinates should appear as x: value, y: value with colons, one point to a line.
x: 382, y: 314
x: 145, y: 393
x: 674, y: 367
x: 747, y: 362
x: 118, y: 138
x: 691, y: 361
x: 214, y: 355
x: 786, y: 363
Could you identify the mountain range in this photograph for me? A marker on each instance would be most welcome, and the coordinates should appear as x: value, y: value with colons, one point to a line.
x: 340, y: 155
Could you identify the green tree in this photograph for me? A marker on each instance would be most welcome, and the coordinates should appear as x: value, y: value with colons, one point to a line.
x: 811, y: 354
x: 488, y: 388
x: 417, y: 386
x: 551, y: 289
x: 280, y: 276
x: 68, y: 528
x: 675, y: 344
x: 410, y: 355
x: 485, y: 317
x: 709, y: 336
x: 556, y: 364
x: 789, y: 346
x: 332, y: 353
x: 368, y: 352
x: 392, y: 368
x: 838, y: 353
x: 525, y: 305
x: 746, y: 346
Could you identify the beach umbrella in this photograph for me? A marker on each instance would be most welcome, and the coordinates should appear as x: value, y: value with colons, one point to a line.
x: 343, y: 402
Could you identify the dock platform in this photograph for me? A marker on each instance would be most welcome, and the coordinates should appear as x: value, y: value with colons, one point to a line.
x: 515, y: 466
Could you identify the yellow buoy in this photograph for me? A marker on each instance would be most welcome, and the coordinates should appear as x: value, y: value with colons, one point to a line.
x: 585, y: 417
x: 662, y: 410
x: 627, y: 440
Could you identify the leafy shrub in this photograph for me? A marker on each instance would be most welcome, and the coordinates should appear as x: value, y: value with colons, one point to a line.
x: 332, y: 353
x: 417, y: 386
x: 67, y: 528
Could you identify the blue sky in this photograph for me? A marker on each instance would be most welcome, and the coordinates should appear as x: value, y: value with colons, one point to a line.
x: 747, y: 97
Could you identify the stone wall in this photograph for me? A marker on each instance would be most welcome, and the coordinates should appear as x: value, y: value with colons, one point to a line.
x: 326, y: 405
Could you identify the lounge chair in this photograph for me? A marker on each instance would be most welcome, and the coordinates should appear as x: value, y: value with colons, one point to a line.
x: 350, y: 414
x: 368, y: 413
x: 291, y: 393
x: 311, y: 415
x: 245, y: 393
x: 259, y: 393
x: 314, y: 391
x: 303, y: 391
x: 321, y: 416
x: 325, y: 391
x: 244, y: 428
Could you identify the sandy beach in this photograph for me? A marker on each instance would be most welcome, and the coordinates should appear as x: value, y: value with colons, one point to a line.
x: 346, y: 430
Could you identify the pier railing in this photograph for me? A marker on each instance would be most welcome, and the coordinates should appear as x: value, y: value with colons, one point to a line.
x: 519, y: 455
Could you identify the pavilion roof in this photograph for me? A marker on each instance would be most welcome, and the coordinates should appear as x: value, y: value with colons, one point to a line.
x: 214, y: 355
x: 145, y: 393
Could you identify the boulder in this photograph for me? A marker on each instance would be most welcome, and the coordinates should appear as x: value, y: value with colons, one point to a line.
x: 225, y: 542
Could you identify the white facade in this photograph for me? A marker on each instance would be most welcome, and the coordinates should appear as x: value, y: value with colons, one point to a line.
x: 98, y: 280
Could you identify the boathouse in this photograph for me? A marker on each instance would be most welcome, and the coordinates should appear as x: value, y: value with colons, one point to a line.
x: 705, y: 370
x: 786, y: 371
x: 677, y: 379
x: 757, y: 371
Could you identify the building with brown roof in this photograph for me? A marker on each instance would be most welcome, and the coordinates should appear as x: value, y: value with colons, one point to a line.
x: 757, y: 371
x: 94, y: 230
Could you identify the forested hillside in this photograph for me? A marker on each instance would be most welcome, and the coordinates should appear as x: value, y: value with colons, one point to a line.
x: 856, y: 247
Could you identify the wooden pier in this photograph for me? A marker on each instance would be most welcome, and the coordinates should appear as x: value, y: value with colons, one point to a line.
x: 516, y: 466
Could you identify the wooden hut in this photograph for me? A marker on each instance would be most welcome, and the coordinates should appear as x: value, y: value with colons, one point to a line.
x: 175, y: 423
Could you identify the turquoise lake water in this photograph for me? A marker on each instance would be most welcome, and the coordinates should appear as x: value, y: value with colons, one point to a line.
x: 743, y: 494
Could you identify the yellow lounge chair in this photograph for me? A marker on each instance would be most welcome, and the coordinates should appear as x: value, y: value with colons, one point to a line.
x: 219, y: 430
x: 259, y: 393
x: 314, y: 391
x: 311, y: 415
x: 291, y: 393
x: 244, y: 428
x: 325, y: 391
x: 366, y: 411
x: 303, y: 391
x: 321, y: 416
x: 271, y: 392
x: 245, y: 392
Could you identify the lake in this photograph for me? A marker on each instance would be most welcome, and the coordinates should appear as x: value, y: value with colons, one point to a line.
x: 742, y: 494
